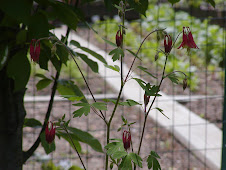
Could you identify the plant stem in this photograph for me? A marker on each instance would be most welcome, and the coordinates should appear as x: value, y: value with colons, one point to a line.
x: 146, y: 113
x: 74, y: 146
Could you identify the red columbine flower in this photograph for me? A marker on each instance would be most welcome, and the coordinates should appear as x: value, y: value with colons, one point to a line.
x: 126, y: 138
x: 50, y: 134
x: 188, y: 41
x: 118, y: 38
x: 35, y: 50
x: 168, y: 43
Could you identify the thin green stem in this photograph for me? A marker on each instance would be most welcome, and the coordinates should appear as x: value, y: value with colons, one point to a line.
x: 146, y: 113
x: 74, y: 146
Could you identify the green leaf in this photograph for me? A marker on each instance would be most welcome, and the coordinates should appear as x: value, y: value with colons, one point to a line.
x: 123, y: 119
x: 47, y: 147
x: 62, y: 53
x: 87, y: 138
x: 109, y: 42
x: 41, y: 76
x: 92, y: 64
x: 126, y: 163
x: 43, y: 83
x: 119, y: 154
x: 85, y: 109
x: 160, y: 110
x: 136, y: 159
x: 19, y: 69
x: 100, y: 105
x: 110, y: 100
x: 153, y: 161
x: 141, y: 83
x: 173, y: 1
x: 38, y: 26
x: 129, y: 102
x: 140, y: 6
x: 114, y: 147
x: 67, y: 87
x: 145, y: 70
x: 91, y: 52
x: 115, y: 67
x: 212, y: 2
x: 74, y: 139
x: 72, y: 97
x: 133, y: 54
x: 11, y: 7
x: 21, y: 37
x: 152, y: 90
x: 74, y: 167
x: 173, y: 77
x: 4, y: 51
x: 31, y: 122
x: 45, y: 55
x: 65, y: 14
x: 117, y: 53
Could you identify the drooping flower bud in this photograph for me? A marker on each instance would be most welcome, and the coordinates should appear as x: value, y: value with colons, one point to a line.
x: 126, y: 138
x: 167, y: 43
x: 188, y: 41
x: 50, y: 134
x: 146, y: 100
x: 185, y: 84
x: 118, y: 38
x: 35, y: 50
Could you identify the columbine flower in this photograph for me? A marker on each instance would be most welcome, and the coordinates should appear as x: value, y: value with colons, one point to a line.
x: 118, y: 38
x: 168, y: 43
x: 188, y: 41
x: 35, y: 50
x: 50, y: 134
x: 126, y: 138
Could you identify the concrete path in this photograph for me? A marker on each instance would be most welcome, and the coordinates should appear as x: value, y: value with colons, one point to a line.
x: 198, y: 135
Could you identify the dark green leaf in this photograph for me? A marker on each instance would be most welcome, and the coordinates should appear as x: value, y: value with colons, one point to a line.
x: 62, y: 53
x: 160, y: 110
x: 85, y: 109
x: 129, y: 102
x: 45, y: 55
x: 19, y: 69
x: 41, y: 76
x: 68, y: 139
x: 47, y: 147
x: 212, y: 2
x: 38, y: 26
x: 136, y: 159
x: 141, y: 83
x: 123, y: 119
x: 91, y: 52
x: 173, y: 1
x: 119, y: 154
x: 72, y: 97
x: 153, y: 161
x: 114, y: 147
x: 126, y: 163
x: 87, y: 138
x: 43, y: 83
x: 92, y: 64
x: 173, y: 77
x: 65, y: 14
x: 31, y: 122
x: 110, y: 100
x: 19, y: 10
x: 117, y: 53
x: 145, y: 70
x: 66, y: 87
x: 21, y: 37
x: 100, y: 105
x: 140, y: 6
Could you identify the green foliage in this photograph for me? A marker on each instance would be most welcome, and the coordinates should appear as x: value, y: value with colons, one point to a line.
x: 43, y: 83
x: 136, y: 159
x: 161, y: 111
x: 31, y: 122
x: 47, y: 147
x: 50, y: 166
x: 117, y: 53
x: 153, y: 161
x: 18, y: 69
x: 115, y: 67
x: 116, y: 149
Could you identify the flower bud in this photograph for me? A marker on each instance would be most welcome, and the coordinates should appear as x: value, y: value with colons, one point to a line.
x: 126, y: 138
x: 118, y: 38
x: 167, y: 43
x: 50, y: 133
x: 35, y: 50
x: 146, y: 100
x: 185, y: 84
x: 157, y: 56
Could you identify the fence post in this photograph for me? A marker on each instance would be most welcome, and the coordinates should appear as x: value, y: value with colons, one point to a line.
x: 223, y: 158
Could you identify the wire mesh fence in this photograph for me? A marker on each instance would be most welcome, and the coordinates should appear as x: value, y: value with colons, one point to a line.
x: 204, y: 97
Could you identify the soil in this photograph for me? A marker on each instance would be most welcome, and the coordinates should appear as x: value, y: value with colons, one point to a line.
x: 174, y: 156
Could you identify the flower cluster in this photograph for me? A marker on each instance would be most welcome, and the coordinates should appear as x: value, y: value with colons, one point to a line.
x: 50, y: 134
